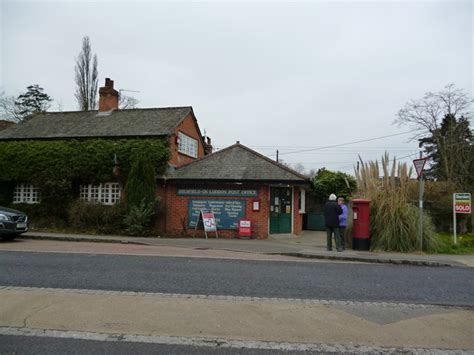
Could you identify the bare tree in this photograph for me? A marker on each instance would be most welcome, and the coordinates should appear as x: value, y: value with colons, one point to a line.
x: 426, y: 116
x: 86, y: 77
x: 298, y: 167
x: 311, y: 173
x: 127, y: 102
x: 59, y: 106
x: 8, y: 109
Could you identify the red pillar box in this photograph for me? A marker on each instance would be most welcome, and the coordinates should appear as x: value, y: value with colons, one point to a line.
x: 361, y: 223
x: 245, y: 227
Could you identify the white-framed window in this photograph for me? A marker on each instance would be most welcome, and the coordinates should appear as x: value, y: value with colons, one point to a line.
x: 302, y: 201
x: 187, y: 145
x: 105, y: 194
x: 26, y: 193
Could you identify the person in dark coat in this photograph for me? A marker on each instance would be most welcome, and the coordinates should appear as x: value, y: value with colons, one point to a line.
x: 331, y: 215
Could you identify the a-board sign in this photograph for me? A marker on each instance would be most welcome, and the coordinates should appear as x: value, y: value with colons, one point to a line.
x: 419, y: 165
x: 209, y: 221
x: 227, y: 213
x: 245, y: 227
x: 462, y: 202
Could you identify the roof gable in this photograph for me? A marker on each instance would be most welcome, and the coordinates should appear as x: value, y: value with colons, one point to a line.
x: 87, y: 124
x: 237, y: 163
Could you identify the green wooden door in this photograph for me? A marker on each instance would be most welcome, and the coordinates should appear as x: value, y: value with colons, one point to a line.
x: 281, y: 208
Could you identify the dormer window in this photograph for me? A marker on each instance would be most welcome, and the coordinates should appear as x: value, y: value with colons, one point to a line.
x: 187, y: 145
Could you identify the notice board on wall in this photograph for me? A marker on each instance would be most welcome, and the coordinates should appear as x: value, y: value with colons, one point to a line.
x: 227, y: 213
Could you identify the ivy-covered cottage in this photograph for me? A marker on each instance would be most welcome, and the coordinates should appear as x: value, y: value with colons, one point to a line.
x: 53, y: 159
x: 59, y: 156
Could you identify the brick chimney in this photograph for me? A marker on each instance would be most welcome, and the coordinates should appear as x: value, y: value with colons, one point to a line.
x: 207, y: 146
x: 108, y: 97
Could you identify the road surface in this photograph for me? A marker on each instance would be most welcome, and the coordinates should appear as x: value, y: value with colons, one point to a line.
x: 141, y: 303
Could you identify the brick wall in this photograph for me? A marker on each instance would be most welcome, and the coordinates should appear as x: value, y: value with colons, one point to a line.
x: 187, y: 127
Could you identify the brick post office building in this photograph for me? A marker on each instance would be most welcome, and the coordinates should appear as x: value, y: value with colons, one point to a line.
x: 234, y: 183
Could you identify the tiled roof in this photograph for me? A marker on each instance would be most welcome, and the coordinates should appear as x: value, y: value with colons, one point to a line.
x: 83, y: 124
x: 4, y: 124
x: 236, y: 163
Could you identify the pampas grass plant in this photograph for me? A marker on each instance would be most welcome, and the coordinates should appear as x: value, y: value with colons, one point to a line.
x: 393, y: 220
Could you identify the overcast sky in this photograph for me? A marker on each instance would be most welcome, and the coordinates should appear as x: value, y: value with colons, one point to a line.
x: 285, y: 75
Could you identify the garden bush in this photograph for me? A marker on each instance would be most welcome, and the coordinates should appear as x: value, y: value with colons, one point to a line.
x: 39, y: 217
x: 327, y: 182
x: 139, y: 218
x: 92, y: 217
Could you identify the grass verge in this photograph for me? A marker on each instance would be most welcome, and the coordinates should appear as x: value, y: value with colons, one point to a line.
x: 465, y: 244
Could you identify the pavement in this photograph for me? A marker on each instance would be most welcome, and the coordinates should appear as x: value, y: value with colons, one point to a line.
x: 198, y: 318
x: 310, y: 244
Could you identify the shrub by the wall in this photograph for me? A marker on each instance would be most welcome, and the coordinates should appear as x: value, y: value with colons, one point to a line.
x: 40, y: 217
x: 91, y: 217
x: 139, y: 218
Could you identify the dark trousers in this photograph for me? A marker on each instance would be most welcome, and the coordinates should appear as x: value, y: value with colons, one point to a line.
x: 337, y: 237
x: 342, y: 232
